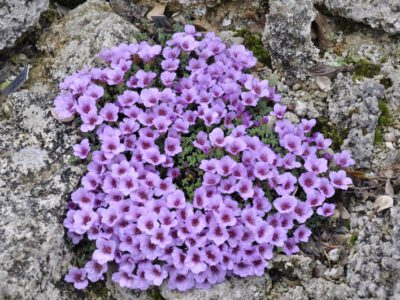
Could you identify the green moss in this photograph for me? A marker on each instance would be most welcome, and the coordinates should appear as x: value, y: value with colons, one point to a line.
x: 385, y: 119
x: 155, y: 294
x: 335, y: 133
x: 386, y: 82
x: 253, y: 42
x: 353, y: 239
x: 99, y: 289
x: 365, y: 68
x: 188, y: 162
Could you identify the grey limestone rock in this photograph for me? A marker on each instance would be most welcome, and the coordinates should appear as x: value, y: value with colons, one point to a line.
x: 288, y: 35
x: 251, y: 288
x: 35, y: 178
x: 355, y: 107
x: 35, y: 181
x: 75, y: 40
x: 375, y: 13
x: 17, y: 17
x: 374, y: 264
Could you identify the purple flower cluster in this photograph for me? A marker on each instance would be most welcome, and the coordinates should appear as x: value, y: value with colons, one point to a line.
x: 128, y: 202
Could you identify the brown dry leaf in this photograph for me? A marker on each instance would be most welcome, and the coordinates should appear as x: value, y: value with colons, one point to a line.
x: 321, y: 69
x: 356, y: 174
x: 323, y: 31
x: 157, y: 10
x: 204, y: 25
x: 341, y: 238
x: 383, y: 202
x: 57, y: 117
x: 343, y: 212
x: 389, y: 188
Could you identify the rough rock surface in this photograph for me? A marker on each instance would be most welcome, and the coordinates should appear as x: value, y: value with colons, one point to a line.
x: 355, y: 107
x: 75, y: 40
x: 253, y: 288
x: 375, y: 13
x: 34, y: 183
x: 35, y: 177
x: 374, y: 264
x: 17, y: 17
x: 288, y: 35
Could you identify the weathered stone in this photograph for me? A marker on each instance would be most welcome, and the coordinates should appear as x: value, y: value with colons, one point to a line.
x: 35, y: 178
x: 355, y: 107
x: 375, y: 13
x: 35, y: 181
x: 374, y: 264
x: 251, y: 288
x: 17, y: 17
x: 294, y: 266
x: 288, y: 35
x: 75, y: 40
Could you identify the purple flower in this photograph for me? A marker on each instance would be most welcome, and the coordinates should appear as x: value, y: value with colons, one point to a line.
x: 176, y: 199
x: 290, y: 246
x: 343, y: 159
x: 172, y: 146
x: 195, y: 261
x: 340, y: 180
x: 82, y: 150
x: 77, y: 277
x: 302, y: 212
x: 245, y: 188
x: 148, y: 223
x: 302, y: 234
x: 277, y: 236
x: 95, y: 270
x: 180, y: 281
x: 316, y: 165
x: 144, y: 79
x: 156, y: 274
x: 105, y: 250
x: 236, y: 146
x: 308, y: 181
x: 285, y: 204
x: 279, y: 111
x: 292, y: 143
x: 225, y: 166
x: 326, y: 210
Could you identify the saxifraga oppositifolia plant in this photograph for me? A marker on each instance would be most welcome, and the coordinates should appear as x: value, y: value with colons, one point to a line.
x: 182, y: 184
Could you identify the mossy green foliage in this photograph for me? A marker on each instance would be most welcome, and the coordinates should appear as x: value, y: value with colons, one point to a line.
x: 188, y: 162
x: 386, y: 82
x: 155, y: 294
x: 385, y: 119
x: 253, y: 42
x: 364, y: 68
x: 353, y: 239
x: 336, y: 133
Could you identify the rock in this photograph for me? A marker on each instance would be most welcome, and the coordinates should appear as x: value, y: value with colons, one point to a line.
x: 288, y: 35
x: 334, y: 273
x: 34, y: 186
x: 67, y: 48
x: 374, y: 263
x: 327, y: 290
x: 294, y: 266
x: 35, y: 178
x: 251, y: 288
x: 375, y: 13
x: 324, y: 83
x: 334, y: 255
x: 17, y: 17
x: 355, y: 107
x: 70, y: 3
x: 230, y: 38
